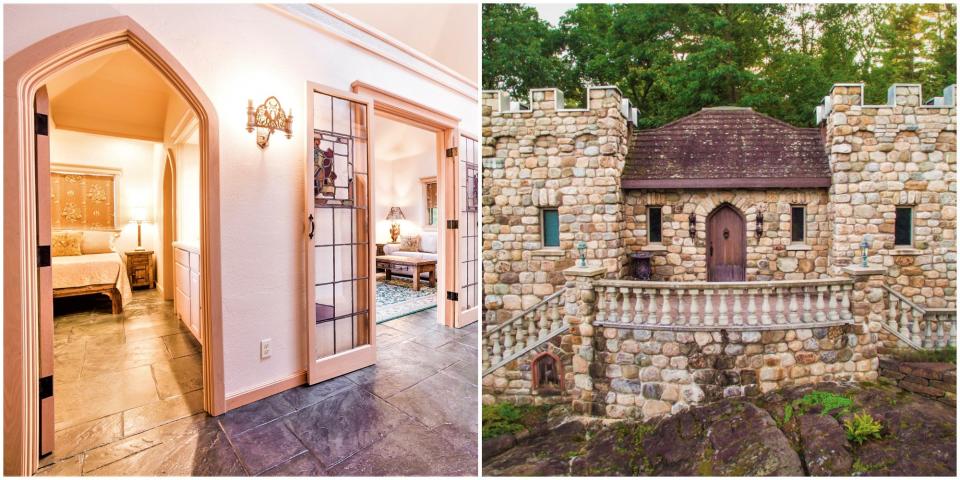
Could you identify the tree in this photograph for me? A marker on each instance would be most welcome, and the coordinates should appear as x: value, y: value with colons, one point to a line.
x: 520, y: 51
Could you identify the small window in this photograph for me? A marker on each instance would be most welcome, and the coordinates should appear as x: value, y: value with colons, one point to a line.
x: 655, y: 224
x: 798, y: 224
x: 432, y: 213
x: 903, y: 233
x: 551, y: 227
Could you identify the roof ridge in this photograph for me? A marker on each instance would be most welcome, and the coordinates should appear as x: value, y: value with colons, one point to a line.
x: 707, y: 110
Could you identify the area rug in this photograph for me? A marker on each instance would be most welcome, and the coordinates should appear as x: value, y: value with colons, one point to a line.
x: 397, y: 298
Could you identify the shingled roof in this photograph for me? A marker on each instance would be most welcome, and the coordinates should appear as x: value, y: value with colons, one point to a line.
x: 727, y: 147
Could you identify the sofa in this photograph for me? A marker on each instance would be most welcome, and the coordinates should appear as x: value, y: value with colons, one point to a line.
x: 427, y: 250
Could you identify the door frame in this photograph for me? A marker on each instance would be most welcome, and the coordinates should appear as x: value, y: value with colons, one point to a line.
x: 447, y: 128
x: 24, y: 74
x: 168, y: 231
x: 743, y: 246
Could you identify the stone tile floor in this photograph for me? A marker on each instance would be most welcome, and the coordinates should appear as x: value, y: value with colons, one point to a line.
x: 128, y: 403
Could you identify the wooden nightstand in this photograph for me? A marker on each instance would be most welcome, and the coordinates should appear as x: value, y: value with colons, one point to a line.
x: 140, y: 268
x: 380, y: 249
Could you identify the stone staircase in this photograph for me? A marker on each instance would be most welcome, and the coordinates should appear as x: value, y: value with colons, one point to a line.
x: 524, y: 332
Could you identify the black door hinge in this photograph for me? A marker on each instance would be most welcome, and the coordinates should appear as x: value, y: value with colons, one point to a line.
x: 453, y: 224
x: 453, y: 296
x: 452, y: 152
x: 43, y: 255
x: 46, y: 387
x: 40, y: 123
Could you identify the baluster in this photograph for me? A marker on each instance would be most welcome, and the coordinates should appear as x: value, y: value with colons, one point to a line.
x: 680, y: 317
x: 781, y: 313
x: 751, y: 307
x: 892, y: 312
x: 832, y: 314
x: 915, y: 327
x: 821, y: 305
x: 941, y: 340
x: 521, y: 332
x: 927, y: 335
x: 497, y: 348
x: 694, y: 318
x: 625, y: 308
x: 723, y: 308
x: 555, y: 315
x: 665, y: 318
x: 601, y: 304
x: 904, y: 320
x: 794, y: 307
x: 952, y: 339
x: 708, y: 307
x: 507, y: 340
x: 807, y: 312
x: 652, y: 317
x: 765, y: 308
x: 845, y: 313
x: 638, y: 307
x: 737, y: 307
x: 532, y: 331
x: 612, y: 307
x: 485, y: 352
x: 544, y: 323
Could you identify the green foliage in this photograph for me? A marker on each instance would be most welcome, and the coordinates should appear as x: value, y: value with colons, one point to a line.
x: 861, y: 428
x: 674, y: 59
x: 503, y: 418
x: 945, y: 355
x: 787, y: 413
x: 827, y: 402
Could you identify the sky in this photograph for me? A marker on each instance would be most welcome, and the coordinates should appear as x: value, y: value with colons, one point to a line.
x: 551, y: 12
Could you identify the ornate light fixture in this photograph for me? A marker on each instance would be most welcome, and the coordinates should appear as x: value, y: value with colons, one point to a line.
x: 692, y: 219
x: 759, y: 228
x: 268, y: 117
x: 395, y: 215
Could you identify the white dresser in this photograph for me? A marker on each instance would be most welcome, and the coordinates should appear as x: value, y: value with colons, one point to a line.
x: 186, y: 297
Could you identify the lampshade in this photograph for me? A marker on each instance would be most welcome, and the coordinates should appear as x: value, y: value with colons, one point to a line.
x: 395, y: 214
x: 139, y: 214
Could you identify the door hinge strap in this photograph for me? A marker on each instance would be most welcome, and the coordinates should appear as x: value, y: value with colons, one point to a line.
x: 453, y: 296
x: 46, y: 387
x: 43, y: 255
x: 453, y: 224
x: 452, y: 152
x: 40, y: 122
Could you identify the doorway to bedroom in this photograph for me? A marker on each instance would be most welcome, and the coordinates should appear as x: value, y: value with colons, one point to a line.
x: 121, y: 206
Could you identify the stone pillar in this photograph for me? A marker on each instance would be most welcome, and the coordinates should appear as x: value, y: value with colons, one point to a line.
x: 580, y: 307
x: 867, y: 306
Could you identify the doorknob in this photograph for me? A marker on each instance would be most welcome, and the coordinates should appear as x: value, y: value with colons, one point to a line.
x: 312, y: 225
x: 711, y: 250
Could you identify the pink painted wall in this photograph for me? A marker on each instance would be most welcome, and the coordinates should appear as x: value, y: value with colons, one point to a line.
x: 236, y: 53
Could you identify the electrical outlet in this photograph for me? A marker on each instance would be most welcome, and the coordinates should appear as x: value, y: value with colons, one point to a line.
x: 264, y: 348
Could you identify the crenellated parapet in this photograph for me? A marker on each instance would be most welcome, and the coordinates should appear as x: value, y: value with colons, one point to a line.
x: 553, y: 100
x: 910, y: 95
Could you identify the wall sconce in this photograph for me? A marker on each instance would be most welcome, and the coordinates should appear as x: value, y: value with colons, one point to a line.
x: 268, y: 117
x: 864, y: 248
x: 692, y: 219
x: 582, y: 248
x: 759, y: 228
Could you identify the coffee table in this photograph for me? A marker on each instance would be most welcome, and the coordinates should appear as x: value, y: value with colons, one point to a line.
x: 414, y: 266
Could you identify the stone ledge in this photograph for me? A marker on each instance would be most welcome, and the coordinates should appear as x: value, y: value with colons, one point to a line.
x: 794, y: 247
x: 717, y: 328
x: 657, y: 247
x: 859, y: 270
x: 549, y: 252
x: 587, y: 271
x: 903, y: 252
x: 933, y: 380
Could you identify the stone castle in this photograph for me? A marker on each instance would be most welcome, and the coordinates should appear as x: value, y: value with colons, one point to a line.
x: 767, y: 254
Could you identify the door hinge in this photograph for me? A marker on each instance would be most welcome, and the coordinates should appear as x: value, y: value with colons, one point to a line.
x: 453, y: 224
x: 452, y: 152
x: 453, y: 296
x: 46, y: 387
x: 43, y: 255
x: 40, y: 123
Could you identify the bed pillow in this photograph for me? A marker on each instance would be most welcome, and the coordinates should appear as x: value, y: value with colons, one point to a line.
x: 97, y: 241
x: 66, y: 243
x: 428, y: 242
x: 409, y: 243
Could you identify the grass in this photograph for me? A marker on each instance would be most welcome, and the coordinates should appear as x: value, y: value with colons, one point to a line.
x: 503, y: 418
x: 827, y: 401
x: 945, y: 355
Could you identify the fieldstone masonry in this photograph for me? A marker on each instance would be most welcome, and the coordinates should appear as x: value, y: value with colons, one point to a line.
x: 880, y: 157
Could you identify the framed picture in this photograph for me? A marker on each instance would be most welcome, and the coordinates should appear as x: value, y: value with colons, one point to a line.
x: 83, y: 198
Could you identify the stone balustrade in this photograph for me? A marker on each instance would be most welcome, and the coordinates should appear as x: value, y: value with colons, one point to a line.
x: 919, y: 327
x: 526, y: 330
x: 709, y: 306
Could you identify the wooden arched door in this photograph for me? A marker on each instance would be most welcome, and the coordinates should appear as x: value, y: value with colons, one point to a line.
x: 726, y: 245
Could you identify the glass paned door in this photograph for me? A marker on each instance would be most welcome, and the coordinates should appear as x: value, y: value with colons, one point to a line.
x: 469, y: 225
x: 340, y: 296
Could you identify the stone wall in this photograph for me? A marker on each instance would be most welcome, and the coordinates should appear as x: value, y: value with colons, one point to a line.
x: 513, y: 383
x: 544, y: 156
x: 773, y: 256
x: 885, y: 156
x: 935, y: 380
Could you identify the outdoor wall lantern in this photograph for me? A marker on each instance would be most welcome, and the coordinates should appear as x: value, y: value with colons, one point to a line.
x: 582, y: 248
x: 864, y: 246
x: 693, y: 225
x: 268, y: 117
x: 759, y: 228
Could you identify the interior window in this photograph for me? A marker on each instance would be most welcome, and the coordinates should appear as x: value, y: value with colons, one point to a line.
x: 903, y: 233
x: 430, y: 200
x: 655, y: 224
x: 551, y: 227
x: 798, y: 224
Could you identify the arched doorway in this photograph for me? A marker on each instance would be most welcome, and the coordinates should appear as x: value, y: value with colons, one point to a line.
x: 726, y: 245
x: 168, y: 229
x: 25, y: 74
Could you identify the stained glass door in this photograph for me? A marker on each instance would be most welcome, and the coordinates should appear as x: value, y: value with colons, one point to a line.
x: 469, y: 225
x: 340, y: 255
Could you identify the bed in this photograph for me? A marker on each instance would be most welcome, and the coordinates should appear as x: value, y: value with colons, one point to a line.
x: 91, y: 269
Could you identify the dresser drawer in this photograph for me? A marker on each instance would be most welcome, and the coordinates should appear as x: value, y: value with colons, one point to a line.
x: 182, y: 257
